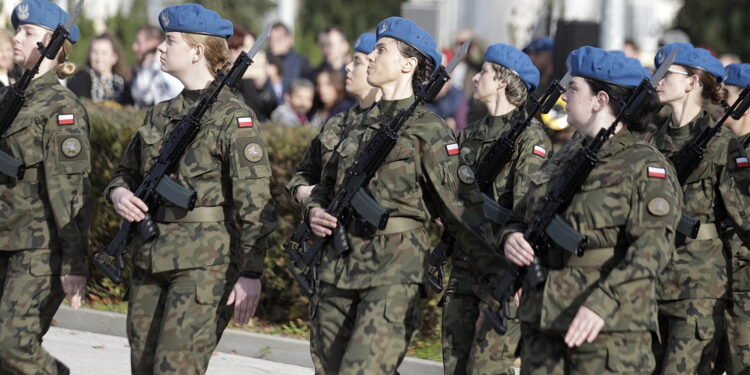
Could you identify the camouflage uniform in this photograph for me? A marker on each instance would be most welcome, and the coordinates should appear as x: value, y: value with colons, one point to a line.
x: 629, y: 217
x: 692, y: 290
x: 366, y: 308
x: 487, y: 352
x: 45, y: 221
x: 182, y: 279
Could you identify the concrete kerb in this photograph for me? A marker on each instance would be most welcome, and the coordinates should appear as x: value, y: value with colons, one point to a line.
x: 272, y: 348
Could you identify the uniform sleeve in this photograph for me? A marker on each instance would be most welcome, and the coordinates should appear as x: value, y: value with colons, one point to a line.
x: 128, y: 172
x: 309, y: 168
x: 67, y: 164
x: 656, y: 205
x: 734, y: 187
x: 250, y: 173
x: 534, y: 148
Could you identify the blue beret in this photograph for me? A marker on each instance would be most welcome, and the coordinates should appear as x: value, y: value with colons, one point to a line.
x: 540, y: 44
x: 693, y: 57
x: 737, y: 75
x: 42, y: 13
x: 515, y: 60
x: 408, y: 32
x: 596, y: 63
x: 365, y: 43
x: 194, y: 19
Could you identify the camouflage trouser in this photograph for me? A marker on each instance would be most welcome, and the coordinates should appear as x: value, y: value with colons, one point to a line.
x: 362, y: 331
x: 31, y: 294
x: 690, y: 336
x: 468, y: 352
x: 738, y: 334
x: 610, y: 353
x: 175, y: 318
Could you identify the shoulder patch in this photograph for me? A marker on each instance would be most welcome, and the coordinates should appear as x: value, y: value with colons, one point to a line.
x: 657, y: 172
x: 658, y: 206
x: 540, y: 151
x: 244, y: 122
x: 452, y: 149
x: 71, y: 147
x: 66, y: 119
x: 466, y: 175
x: 741, y: 162
x: 253, y: 152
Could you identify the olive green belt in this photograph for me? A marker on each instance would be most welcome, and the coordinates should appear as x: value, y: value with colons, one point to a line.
x: 399, y: 225
x: 196, y: 215
x: 592, y: 257
x: 707, y: 231
x: 30, y: 176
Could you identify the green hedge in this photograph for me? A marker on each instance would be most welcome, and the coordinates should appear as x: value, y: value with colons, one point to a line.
x: 282, y: 301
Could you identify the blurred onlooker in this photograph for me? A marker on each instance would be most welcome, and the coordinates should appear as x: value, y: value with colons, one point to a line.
x: 297, y: 102
x: 450, y: 103
x: 250, y: 87
x: 729, y: 58
x: 631, y: 49
x: 275, y: 79
x: 673, y: 36
x: 330, y: 96
x: 103, y: 79
x: 9, y: 72
x: 471, y: 64
x: 150, y: 85
x: 335, y: 50
x: 281, y: 45
x: 540, y: 51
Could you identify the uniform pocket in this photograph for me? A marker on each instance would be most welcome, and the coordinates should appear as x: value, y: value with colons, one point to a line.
x: 705, y: 328
x: 43, y: 262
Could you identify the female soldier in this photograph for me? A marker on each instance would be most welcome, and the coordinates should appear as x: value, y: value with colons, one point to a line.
x: 737, y: 77
x: 503, y: 85
x: 692, y: 289
x: 45, y: 215
x: 199, y: 265
x: 596, y: 313
x: 366, y: 302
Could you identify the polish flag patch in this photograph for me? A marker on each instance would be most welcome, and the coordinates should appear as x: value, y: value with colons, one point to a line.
x: 741, y: 162
x: 540, y: 151
x: 68, y: 119
x: 244, y: 122
x: 452, y: 149
x: 657, y: 172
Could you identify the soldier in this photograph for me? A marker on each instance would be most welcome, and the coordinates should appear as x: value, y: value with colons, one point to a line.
x: 692, y: 290
x: 595, y: 313
x: 46, y: 214
x: 205, y: 260
x: 309, y: 169
x: 737, y: 77
x: 503, y: 85
x: 366, y: 304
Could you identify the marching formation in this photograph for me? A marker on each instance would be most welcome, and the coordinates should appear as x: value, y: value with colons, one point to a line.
x: 625, y: 250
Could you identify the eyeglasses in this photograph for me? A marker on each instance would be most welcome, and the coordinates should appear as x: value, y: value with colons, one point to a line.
x: 678, y: 72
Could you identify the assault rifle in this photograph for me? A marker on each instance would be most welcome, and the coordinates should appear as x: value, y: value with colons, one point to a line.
x: 548, y: 228
x: 351, y: 199
x: 156, y: 185
x: 498, y: 155
x: 15, y: 97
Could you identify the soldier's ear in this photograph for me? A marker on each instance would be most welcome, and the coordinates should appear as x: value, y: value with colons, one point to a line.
x: 601, y: 101
x: 409, y: 64
x: 200, y: 52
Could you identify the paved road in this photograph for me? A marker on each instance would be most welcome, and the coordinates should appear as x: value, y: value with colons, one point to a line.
x: 97, y: 354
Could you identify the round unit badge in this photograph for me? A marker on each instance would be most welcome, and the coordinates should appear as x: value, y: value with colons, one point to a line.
x: 658, y: 206
x: 466, y: 175
x: 253, y: 152
x: 71, y: 147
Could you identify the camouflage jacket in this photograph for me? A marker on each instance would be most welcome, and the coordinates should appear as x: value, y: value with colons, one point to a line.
x: 227, y: 165
x: 50, y: 207
x: 621, y: 205
x: 321, y: 148
x: 532, y: 148
x: 740, y: 246
x: 699, y: 267
x: 418, y: 180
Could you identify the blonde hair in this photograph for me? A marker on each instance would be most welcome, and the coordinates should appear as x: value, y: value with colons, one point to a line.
x: 215, y: 48
x: 64, y: 67
x: 516, y: 91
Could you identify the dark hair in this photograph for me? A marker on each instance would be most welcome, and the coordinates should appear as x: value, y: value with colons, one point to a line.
x: 281, y: 25
x: 275, y: 61
x: 712, y: 91
x: 618, y: 95
x: 238, y: 36
x: 338, y: 80
x: 151, y: 32
x: 119, y: 67
x: 425, y: 66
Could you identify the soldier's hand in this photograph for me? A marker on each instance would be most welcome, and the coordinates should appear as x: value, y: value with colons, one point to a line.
x: 303, y: 192
x: 584, y: 327
x: 127, y: 205
x: 517, y: 250
x: 321, y: 222
x: 517, y: 297
x: 245, y: 296
x: 73, y: 286
x: 479, y: 322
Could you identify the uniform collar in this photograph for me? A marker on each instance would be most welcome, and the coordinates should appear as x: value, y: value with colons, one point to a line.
x: 391, y: 107
x: 620, y: 141
x: 503, y: 120
x: 189, y: 98
x: 43, y: 82
x: 695, y: 125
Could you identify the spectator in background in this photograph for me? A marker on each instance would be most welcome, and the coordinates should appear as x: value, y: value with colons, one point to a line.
x: 631, y: 49
x: 297, y: 102
x: 335, y: 50
x: 9, y: 72
x: 275, y: 75
x: 250, y: 87
x: 103, y: 79
x: 729, y: 58
x: 450, y: 103
x: 281, y: 45
x: 150, y: 85
x: 330, y: 96
x: 540, y: 50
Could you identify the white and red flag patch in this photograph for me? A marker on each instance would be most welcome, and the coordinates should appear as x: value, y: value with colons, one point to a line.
x: 245, y: 122
x: 657, y: 172
x: 452, y: 149
x: 67, y: 119
x: 540, y: 151
x: 742, y: 162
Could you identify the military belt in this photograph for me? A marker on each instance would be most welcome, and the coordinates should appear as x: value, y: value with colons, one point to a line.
x: 30, y: 176
x: 592, y: 258
x: 707, y: 231
x: 399, y: 225
x: 196, y: 215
